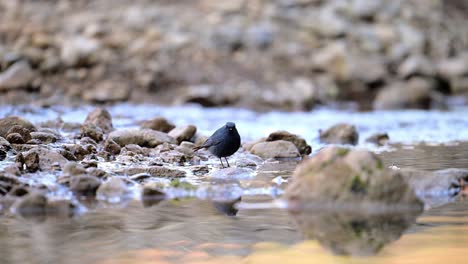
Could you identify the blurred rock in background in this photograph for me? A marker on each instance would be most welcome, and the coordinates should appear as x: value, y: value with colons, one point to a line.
x: 276, y: 54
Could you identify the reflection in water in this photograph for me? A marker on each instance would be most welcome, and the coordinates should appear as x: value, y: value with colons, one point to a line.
x: 354, y: 233
x: 227, y: 207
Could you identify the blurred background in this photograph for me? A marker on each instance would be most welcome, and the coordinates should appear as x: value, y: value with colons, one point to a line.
x: 279, y: 54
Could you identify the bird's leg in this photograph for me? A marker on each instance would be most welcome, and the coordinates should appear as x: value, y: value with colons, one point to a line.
x: 221, y: 162
x: 227, y: 162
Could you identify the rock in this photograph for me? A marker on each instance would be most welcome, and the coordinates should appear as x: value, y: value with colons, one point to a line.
x: 334, y: 60
x: 142, y: 137
x: 15, y: 138
x: 73, y: 168
x: 228, y: 37
x: 49, y: 159
x: 18, y: 191
x: 249, y: 146
x: 156, y: 171
x: 24, y: 132
x: 44, y: 137
x: 340, y: 134
x: 108, y: 91
x: 7, y: 183
x: 60, y: 208
x: 159, y: 124
x: 379, y: 139
x: 32, y: 204
x: 31, y: 161
x: 453, y: 67
x: 3, y: 154
x: 174, y: 157
x: 152, y: 194
x: 4, y: 144
x: 92, y: 131
x: 298, y: 141
x: 260, y: 36
x: 84, y: 185
x: 233, y: 173
x: 414, y: 94
x: 112, y: 147
x: 183, y: 133
x: 8, y: 123
x: 416, y: 65
x: 348, y: 177
x: 365, y: 9
x: 112, y: 190
x: 79, y: 51
x: 248, y: 161
x: 18, y: 75
x: 437, y: 187
x: 100, y: 118
x: 275, y: 149
x: 87, y: 141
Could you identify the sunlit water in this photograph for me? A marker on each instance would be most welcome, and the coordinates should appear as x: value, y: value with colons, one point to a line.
x: 202, y: 231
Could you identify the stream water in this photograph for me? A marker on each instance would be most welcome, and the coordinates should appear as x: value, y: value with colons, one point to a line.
x: 193, y: 230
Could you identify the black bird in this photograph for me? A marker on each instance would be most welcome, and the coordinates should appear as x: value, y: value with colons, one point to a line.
x: 223, y: 143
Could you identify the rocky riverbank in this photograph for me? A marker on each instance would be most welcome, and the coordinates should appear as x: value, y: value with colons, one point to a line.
x: 263, y: 55
x: 61, y: 168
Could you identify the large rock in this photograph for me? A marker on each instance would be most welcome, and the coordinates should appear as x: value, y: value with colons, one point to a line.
x: 19, y: 75
x: 183, y: 133
x: 159, y: 124
x: 340, y: 134
x: 275, y: 149
x: 298, y: 141
x: 415, y: 94
x: 142, y: 137
x: 348, y: 177
x: 8, y: 123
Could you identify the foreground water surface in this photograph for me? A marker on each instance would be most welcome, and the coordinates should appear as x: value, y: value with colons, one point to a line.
x: 191, y: 230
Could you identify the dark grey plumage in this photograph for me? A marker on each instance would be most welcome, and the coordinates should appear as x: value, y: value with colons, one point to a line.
x: 223, y: 143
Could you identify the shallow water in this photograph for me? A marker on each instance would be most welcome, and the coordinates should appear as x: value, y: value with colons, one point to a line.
x: 202, y: 231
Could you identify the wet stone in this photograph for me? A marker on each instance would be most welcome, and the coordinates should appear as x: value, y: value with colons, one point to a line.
x: 8, y: 123
x: 159, y: 124
x: 100, y: 118
x: 298, y: 141
x: 15, y: 138
x: 156, y: 171
x: 84, y: 185
x: 32, y: 204
x: 350, y: 178
x: 275, y: 149
x: 44, y: 137
x: 144, y: 137
x: 340, y: 134
x: 4, y: 144
x: 379, y: 139
x: 112, y: 147
x: 184, y: 133
x: 112, y: 190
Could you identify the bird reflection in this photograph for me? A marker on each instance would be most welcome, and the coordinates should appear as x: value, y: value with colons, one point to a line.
x: 227, y: 207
